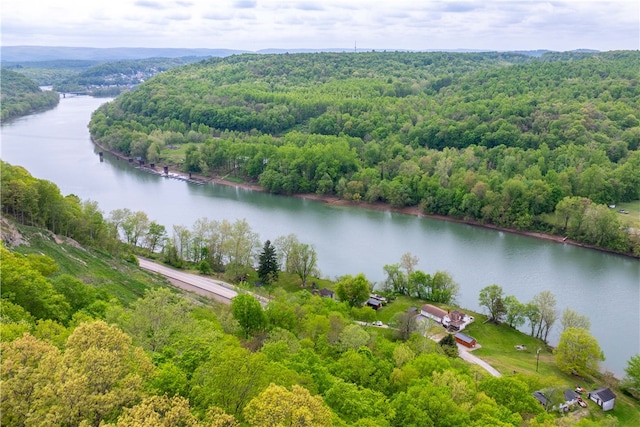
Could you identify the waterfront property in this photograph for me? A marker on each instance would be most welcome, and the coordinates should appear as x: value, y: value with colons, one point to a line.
x: 465, y: 340
x: 540, y: 397
x: 604, y: 397
x: 454, y: 321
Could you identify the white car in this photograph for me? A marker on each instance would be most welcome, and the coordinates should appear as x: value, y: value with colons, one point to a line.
x: 378, y: 323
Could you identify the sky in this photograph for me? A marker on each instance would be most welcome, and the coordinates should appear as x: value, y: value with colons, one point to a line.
x: 320, y: 24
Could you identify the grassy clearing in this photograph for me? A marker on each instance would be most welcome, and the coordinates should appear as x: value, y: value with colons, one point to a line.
x: 632, y: 219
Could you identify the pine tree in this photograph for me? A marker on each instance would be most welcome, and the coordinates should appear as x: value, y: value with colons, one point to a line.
x: 268, y: 269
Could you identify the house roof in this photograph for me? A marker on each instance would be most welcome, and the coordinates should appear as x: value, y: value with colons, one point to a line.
x: 540, y: 397
x: 326, y: 292
x: 433, y: 310
x: 464, y: 337
x: 570, y: 395
x: 456, y: 315
x: 605, y: 394
x: 374, y: 302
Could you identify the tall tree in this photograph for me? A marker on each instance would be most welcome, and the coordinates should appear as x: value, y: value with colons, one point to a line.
x: 353, y: 290
x: 404, y: 325
x: 546, y: 303
x: 248, y: 312
x: 571, y: 319
x: 396, y: 280
x: 302, y: 260
x: 155, y: 237
x: 408, y: 262
x: 632, y: 380
x: 491, y: 297
x: 514, y: 311
x: 268, y: 264
x: 155, y: 320
x: 277, y: 406
x: 578, y: 351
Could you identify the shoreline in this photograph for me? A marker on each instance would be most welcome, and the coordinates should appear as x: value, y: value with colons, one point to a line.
x: 379, y: 206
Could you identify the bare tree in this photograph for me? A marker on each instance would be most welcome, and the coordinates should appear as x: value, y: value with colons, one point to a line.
x: 546, y: 303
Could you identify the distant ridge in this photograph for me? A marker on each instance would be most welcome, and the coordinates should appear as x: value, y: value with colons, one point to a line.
x: 48, y: 53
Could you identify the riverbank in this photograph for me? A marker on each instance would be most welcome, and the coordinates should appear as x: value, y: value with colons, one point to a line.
x: 379, y: 206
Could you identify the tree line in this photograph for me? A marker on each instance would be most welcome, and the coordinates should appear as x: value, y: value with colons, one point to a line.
x: 496, y: 138
x: 21, y: 96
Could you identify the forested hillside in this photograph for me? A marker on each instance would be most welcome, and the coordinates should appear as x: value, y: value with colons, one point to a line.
x: 519, y: 142
x: 20, y: 95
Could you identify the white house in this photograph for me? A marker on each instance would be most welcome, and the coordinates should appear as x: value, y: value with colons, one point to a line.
x: 452, y: 320
x: 433, y: 312
x: 604, y: 397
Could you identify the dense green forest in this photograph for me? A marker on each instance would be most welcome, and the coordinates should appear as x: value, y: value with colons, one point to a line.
x: 89, y: 339
x: 543, y: 144
x: 20, y: 95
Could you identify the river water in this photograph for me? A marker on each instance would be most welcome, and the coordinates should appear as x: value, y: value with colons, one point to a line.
x: 55, y: 145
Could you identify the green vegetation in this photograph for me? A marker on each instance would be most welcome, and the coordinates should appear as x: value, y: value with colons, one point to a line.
x: 87, y: 338
x: 542, y: 144
x: 20, y: 96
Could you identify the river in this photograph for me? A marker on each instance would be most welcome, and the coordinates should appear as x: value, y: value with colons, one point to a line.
x: 55, y: 145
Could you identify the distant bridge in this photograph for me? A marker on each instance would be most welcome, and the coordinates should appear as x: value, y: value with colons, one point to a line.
x: 64, y: 94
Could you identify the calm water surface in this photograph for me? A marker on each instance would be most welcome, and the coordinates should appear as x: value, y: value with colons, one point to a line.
x: 55, y: 145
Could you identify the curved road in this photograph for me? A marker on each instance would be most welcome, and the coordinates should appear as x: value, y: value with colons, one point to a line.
x: 464, y: 354
x: 216, y: 287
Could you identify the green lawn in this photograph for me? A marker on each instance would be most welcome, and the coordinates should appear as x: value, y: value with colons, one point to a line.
x: 632, y: 219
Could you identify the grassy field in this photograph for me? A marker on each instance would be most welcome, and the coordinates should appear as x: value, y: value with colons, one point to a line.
x: 632, y: 219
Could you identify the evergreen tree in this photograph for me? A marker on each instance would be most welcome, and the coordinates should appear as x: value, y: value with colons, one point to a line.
x: 268, y: 269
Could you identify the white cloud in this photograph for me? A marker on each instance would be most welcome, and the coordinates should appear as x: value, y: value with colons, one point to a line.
x: 258, y: 24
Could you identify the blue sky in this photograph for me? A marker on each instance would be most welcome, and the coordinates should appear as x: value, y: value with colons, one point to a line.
x: 289, y: 24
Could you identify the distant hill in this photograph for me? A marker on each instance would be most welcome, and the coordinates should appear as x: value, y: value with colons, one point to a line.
x: 20, y: 95
x: 47, y: 53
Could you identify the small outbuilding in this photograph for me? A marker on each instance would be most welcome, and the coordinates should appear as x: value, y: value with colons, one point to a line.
x: 374, y: 303
x: 604, y: 397
x: 570, y: 396
x: 465, y: 340
x: 327, y: 293
x: 540, y: 397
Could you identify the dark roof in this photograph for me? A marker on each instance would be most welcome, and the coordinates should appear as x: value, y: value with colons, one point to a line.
x: 540, y: 397
x: 326, y: 292
x: 604, y: 394
x: 570, y: 395
x: 465, y: 338
x: 373, y: 301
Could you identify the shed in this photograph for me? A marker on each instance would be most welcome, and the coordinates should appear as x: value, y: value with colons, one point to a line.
x: 540, y: 397
x: 374, y: 303
x: 604, y: 397
x: 570, y: 396
x: 326, y: 293
x: 465, y: 340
